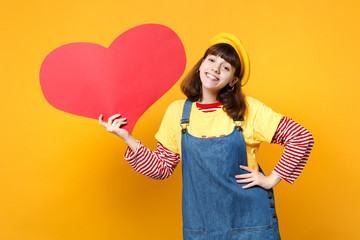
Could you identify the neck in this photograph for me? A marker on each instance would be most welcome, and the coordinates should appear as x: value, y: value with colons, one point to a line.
x: 208, y: 97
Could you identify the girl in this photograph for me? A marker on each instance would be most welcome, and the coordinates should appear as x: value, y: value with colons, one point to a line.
x: 217, y: 132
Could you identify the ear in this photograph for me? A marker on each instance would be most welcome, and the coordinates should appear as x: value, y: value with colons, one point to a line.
x: 233, y: 81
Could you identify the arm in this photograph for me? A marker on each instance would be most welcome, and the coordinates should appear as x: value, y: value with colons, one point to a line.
x: 114, y: 125
x: 159, y: 164
x: 298, y: 143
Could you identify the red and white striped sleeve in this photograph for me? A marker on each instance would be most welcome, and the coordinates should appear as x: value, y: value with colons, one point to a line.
x: 159, y: 164
x: 298, y: 143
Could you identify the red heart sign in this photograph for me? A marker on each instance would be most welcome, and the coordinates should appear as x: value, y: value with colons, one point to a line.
x: 138, y: 67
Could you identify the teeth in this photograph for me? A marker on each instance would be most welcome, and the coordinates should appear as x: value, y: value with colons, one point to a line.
x: 211, y: 76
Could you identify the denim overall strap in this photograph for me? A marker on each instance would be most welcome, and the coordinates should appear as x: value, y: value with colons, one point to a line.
x: 215, y: 207
x: 186, y: 112
x: 184, y: 122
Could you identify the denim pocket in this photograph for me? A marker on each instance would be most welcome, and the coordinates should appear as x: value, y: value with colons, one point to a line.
x: 194, y: 234
x: 253, y: 233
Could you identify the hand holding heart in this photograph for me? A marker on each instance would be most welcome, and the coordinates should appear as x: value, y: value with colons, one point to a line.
x: 115, y: 125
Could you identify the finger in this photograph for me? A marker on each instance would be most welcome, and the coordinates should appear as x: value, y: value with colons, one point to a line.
x: 111, y: 119
x: 247, y: 180
x: 246, y: 175
x: 101, y: 119
x: 248, y: 185
x: 117, y: 125
x: 104, y: 124
x: 119, y: 120
x: 246, y: 168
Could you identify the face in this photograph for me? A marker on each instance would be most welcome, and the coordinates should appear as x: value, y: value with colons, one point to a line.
x: 216, y: 73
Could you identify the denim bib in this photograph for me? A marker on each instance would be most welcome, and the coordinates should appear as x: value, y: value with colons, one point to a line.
x: 214, y: 206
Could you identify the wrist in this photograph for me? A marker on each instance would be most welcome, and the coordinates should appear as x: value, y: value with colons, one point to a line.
x: 274, y: 180
x: 131, y: 142
x: 127, y: 138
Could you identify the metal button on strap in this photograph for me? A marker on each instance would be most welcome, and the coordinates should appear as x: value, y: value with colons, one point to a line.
x: 269, y: 196
x: 274, y: 215
x: 272, y: 205
x: 184, y: 123
x: 238, y: 122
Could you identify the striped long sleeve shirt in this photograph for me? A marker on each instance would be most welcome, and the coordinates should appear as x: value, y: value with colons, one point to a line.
x: 297, y: 141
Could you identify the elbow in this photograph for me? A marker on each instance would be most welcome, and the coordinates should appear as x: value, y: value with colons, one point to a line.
x: 309, y: 142
x: 160, y: 175
x: 310, y: 139
x: 165, y: 175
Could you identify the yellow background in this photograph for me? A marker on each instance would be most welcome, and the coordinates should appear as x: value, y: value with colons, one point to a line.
x: 63, y: 176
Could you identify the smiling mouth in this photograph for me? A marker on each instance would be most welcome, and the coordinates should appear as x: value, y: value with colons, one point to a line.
x: 212, y: 77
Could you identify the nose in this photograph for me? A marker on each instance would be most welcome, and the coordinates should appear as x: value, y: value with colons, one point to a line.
x: 216, y: 68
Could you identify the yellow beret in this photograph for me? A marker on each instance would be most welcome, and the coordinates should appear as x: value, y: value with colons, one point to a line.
x: 239, y: 48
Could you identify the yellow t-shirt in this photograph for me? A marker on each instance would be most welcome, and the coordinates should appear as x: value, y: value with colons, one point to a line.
x: 260, y: 124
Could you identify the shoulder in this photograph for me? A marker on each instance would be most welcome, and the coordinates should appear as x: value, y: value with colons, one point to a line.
x: 256, y: 108
x: 174, y: 110
x: 261, y: 120
x: 169, y: 130
x: 175, y: 107
x: 252, y: 106
x: 252, y: 102
x: 177, y: 104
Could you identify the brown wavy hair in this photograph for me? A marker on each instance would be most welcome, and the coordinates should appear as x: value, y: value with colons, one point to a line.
x: 233, y: 101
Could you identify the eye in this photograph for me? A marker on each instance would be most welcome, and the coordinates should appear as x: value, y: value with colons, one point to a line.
x: 211, y: 60
x: 227, y: 68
